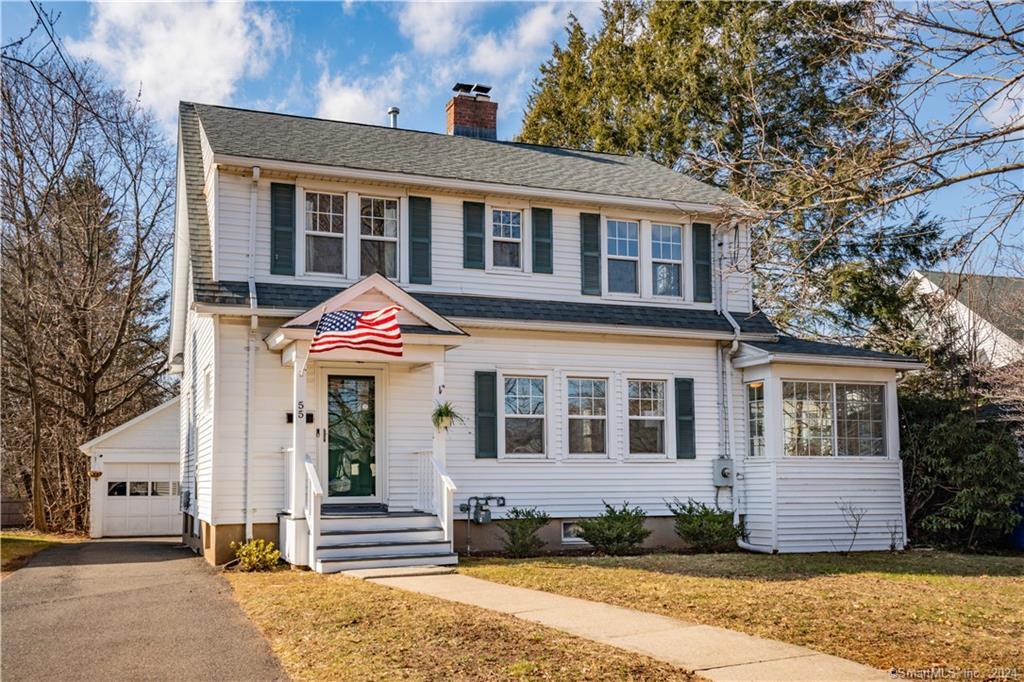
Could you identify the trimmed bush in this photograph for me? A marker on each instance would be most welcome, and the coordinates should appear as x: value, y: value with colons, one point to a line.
x: 520, y: 526
x: 256, y: 555
x: 705, y: 528
x: 616, y: 531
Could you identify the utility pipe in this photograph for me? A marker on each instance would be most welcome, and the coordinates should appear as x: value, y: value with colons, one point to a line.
x: 250, y: 352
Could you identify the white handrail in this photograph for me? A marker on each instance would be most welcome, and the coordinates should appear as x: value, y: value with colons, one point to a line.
x: 437, y: 491
x: 314, y: 494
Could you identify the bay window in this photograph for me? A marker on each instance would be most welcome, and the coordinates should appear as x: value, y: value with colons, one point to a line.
x: 524, y: 414
x: 623, y: 248
x: 378, y: 229
x: 667, y: 259
x: 325, y: 233
x: 646, y: 417
x: 833, y: 419
x: 506, y: 238
x: 588, y: 416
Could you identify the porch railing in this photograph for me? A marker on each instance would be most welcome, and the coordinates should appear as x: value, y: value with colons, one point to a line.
x: 314, y: 495
x: 436, y: 491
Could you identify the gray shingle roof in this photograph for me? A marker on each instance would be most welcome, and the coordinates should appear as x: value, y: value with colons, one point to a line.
x: 997, y: 299
x: 281, y: 137
x: 297, y: 296
x: 198, y: 219
x: 791, y: 345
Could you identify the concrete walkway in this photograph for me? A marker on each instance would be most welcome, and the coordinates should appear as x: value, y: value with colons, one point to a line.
x: 134, y: 609
x: 714, y: 653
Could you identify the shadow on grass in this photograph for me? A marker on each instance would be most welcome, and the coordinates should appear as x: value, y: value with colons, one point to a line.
x: 784, y: 566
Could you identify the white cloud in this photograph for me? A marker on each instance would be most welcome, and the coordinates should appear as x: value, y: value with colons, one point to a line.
x: 521, y: 47
x: 1007, y: 108
x: 362, y: 100
x: 187, y: 51
x: 435, y: 28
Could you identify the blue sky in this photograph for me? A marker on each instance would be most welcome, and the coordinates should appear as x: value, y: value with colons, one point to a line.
x: 344, y: 60
x: 347, y: 60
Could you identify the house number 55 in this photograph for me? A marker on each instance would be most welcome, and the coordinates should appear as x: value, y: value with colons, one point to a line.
x: 300, y: 411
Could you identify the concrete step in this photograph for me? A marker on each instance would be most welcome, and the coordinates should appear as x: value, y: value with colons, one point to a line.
x: 361, y: 549
x: 376, y: 522
x: 386, y: 561
x: 398, y: 572
x: 340, y: 538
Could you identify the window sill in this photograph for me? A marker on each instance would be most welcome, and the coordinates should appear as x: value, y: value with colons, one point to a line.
x: 588, y: 456
x: 648, y: 458
x: 524, y: 458
x: 498, y: 270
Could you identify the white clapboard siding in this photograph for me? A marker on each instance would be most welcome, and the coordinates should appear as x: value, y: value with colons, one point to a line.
x: 448, y: 275
x: 809, y: 494
x: 197, y: 467
x: 759, y: 501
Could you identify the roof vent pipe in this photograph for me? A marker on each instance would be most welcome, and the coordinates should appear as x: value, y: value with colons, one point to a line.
x: 393, y: 116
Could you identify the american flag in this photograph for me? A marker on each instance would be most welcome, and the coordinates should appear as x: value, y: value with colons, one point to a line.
x: 373, y: 330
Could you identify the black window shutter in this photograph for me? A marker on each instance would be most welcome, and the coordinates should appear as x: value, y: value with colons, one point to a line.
x: 473, y: 235
x: 590, y: 253
x: 542, y: 241
x: 419, y: 240
x: 686, y: 435
x: 282, y: 229
x: 486, y: 414
x: 702, y: 262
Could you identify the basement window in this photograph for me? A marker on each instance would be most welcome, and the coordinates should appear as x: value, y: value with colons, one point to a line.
x: 571, y: 533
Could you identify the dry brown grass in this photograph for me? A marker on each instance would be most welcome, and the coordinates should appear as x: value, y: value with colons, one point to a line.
x: 335, y: 627
x: 18, y: 546
x: 913, y: 610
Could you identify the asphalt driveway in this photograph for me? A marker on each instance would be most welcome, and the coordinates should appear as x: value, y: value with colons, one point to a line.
x: 126, y: 609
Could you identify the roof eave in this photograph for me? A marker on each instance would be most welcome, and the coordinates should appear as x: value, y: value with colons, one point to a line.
x: 767, y: 358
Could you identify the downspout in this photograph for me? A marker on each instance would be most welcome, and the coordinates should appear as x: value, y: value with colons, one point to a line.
x: 250, y: 352
x: 730, y: 353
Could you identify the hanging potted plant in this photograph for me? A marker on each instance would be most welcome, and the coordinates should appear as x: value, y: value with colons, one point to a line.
x: 444, y: 415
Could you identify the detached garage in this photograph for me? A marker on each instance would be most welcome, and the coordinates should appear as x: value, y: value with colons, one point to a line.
x: 135, y: 476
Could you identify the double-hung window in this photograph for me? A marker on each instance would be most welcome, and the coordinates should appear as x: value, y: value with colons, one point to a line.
x: 507, y: 238
x: 524, y: 414
x: 623, y: 249
x: 378, y: 229
x: 325, y: 233
x: 833, y: 419
x: 667, y: 259
x: 755, y: 418
x: 588, y: 416
x: 647, y: 409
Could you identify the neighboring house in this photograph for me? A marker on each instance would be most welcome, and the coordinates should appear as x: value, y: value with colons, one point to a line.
x: 589, y: 314
x: 984, y: 312
x: 135, y: 476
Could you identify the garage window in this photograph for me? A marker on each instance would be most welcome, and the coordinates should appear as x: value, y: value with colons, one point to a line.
x: 163, y: 488
x: 117, y: 489
x: 138, y: 488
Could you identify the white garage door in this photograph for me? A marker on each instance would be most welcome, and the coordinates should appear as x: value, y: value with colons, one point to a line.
x: 141, y: 499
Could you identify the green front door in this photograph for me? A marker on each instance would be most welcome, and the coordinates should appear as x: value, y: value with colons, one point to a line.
x: 351, y: 436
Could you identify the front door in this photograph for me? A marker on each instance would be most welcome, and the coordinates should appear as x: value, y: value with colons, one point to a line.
x: 352, y: 437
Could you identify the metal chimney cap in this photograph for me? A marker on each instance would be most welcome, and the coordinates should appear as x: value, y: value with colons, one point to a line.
x: 393, y: 110
x: 481, y: 89
x: 463, y: 88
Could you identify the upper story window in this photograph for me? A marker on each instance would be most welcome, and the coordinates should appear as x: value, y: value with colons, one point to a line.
x: 755, y: 418
x: 826, y: 419
x: 646, y: 417
x: 623, y: 256
x: 507, y: 238
x: 325, y: 233
x: 524, y: 415
x: 378, y: 230
x: 667, y: 259
x: 588, y: 416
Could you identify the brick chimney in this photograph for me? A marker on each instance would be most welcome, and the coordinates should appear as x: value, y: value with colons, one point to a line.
x: 471, y: 112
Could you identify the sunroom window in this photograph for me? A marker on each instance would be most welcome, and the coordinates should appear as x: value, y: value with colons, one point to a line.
x: 378, y: 229
x: 667, y: 259
x: 833, y: 419
x: 506, y: 238
x: 646, y: 417
x: 524, y: 415
x: 623, y: 256
x: 755, y: 418
x: 325, y: 233
x: 588, y: 416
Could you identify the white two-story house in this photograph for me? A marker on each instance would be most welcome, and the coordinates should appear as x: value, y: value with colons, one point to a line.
x: 589, y: 315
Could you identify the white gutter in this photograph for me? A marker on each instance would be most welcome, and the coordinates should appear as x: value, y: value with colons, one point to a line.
x: 569, y: 196
x: 250, y: 351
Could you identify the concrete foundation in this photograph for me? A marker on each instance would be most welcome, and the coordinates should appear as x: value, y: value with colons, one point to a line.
x: 214, y: 541
x: 489, y: 537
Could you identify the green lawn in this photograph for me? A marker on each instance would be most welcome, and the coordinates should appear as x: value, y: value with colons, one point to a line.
x: 911, y: 610
x: 18, y: 546
x: 336, y: 627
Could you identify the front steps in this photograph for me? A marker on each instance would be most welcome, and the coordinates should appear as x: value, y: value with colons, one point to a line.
x: 355, y: 539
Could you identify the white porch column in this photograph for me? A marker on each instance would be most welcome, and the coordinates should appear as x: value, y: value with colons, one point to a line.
x: 297, y: 486
x: 438, y: 396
